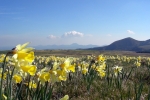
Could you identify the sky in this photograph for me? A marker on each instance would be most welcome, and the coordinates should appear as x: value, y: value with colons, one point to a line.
x: 49, y: 22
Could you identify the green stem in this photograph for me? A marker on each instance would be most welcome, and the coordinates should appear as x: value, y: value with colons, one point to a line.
x: 28, y: 89
x: 3, y: 70
x: 10, y: 87
x: 45, y: 90
x: 19, y: 86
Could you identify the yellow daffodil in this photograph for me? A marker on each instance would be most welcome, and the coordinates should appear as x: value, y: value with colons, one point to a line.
x: 84, y: 67
x: 84, y: 70
x: 31, y: 69
x: 139, y: 59
x: 44, y: 77
x: 17, y: 78
x: 32, y: 84
x: 102, y: 66
x: 62, y: 75
x: 137, y: 63
x: 2, y: 56
x: 54, y: 77
x: 101, y: 73
x: 38, y: 74
x: 5, y: 74
x: 101, y: 58
x: 30, y: 57
x: 117, y: 70
x: 24, y: 56
x: 22, y: 48
x: 67, y: 66
x: 66, y: 97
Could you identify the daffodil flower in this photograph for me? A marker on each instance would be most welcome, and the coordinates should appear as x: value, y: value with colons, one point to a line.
x: 17, y: 78
x: 62, y: 75
x: 84, y: 70
x: 101, y: 58
x: 44, y: 77
x: 32, y: 84
x: 24, y: 56
x: 66, y: 97
x: 31, y: 69
x: 101, y: 73
x: 84, y: 67
x: 22, y: 48
x: 2, y: 56
x: 5, y: 74
x: 117, y: 70
x: 137, y: 63
x: 67, y: 66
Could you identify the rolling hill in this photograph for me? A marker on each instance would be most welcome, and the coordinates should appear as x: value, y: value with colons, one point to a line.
x: 127, y: 44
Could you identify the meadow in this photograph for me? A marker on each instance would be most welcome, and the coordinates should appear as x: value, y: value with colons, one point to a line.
x: 28, y: 74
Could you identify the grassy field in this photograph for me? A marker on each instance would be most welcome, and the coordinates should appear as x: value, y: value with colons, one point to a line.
x: 82, y: 75
x: 78, y: 53
x: 134, y: 83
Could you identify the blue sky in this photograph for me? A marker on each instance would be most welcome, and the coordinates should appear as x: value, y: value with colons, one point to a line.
x: 47, y: 22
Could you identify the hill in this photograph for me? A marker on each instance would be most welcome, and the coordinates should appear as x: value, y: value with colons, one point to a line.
x: 63, y: 47
x: 127, y: 44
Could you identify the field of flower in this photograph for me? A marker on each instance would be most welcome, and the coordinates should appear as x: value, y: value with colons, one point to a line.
x: 26, y: 74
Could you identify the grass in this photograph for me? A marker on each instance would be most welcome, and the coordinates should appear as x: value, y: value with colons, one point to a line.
x: 132, y: 84
x: 100, y: 90
x: 79, y: 53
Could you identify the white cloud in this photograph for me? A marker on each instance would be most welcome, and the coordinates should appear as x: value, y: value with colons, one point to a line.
x: 130, y: 32
x: 52, y: 37
x: 73, y: 34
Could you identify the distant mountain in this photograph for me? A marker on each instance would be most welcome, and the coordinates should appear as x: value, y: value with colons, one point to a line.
x: 71, y: 46
x: 127, y: 44
x: 45, y: 47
